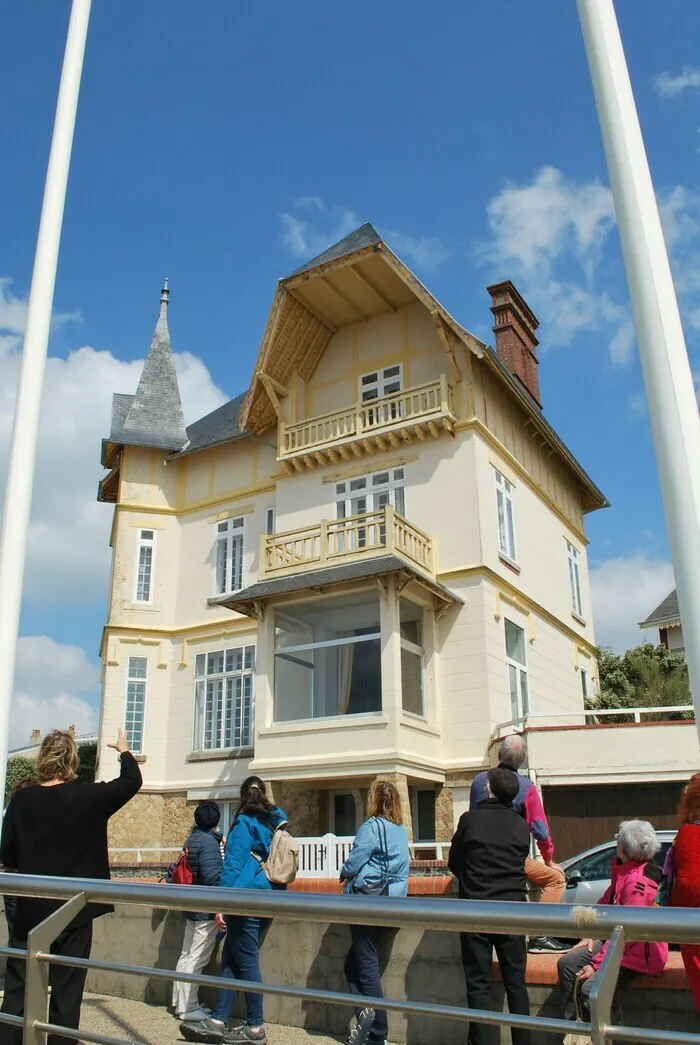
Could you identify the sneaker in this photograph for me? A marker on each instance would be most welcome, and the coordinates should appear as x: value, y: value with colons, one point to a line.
x: 545, y: 945
x: 244, y: 1035
x: 209, y: 1031
x: 359, y: 1035
x: 197, y: 1015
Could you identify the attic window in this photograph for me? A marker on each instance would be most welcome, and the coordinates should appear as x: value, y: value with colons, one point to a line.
x: 380, y: 383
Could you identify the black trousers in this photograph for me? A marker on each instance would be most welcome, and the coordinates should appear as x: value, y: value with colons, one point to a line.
x: 477, y: 959
x: 362, y: 974
x: 66, y: 986
x: 569, y: 966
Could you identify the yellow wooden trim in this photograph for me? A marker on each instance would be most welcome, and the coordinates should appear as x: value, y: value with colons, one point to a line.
x: 232, y: 513
x: 212, y: 629
x: 383, y: 465
x: 504, y: 469
x: 140, y: 525
x: 475, y: 425
x: 200, y: 506
x: 506, y: 589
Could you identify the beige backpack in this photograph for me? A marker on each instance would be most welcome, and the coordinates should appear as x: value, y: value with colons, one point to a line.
x: 282, y: 862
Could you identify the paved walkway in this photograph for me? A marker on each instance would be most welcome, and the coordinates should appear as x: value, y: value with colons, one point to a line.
x: 137, y: 1022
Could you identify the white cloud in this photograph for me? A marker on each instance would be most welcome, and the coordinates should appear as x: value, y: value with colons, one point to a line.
x: 51, y: 683
x: 68, y: 552
x: 551, y: 236
x: 426, y: 252
x: 625, y: 591
x: 13, y: 312
x: 306, y: 238
x: 668, y: 85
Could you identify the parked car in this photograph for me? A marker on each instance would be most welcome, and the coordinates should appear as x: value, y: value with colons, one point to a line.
x: 588, y: 874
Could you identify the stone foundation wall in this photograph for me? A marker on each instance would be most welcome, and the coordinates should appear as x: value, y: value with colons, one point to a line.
x: 158, y: 820
x: 304, y: 806
x: 444, y: 813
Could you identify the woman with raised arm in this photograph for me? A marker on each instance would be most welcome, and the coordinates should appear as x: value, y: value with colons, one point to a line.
x: 58, y: 827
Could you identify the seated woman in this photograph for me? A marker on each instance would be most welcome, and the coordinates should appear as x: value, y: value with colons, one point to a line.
x: 635, y: 883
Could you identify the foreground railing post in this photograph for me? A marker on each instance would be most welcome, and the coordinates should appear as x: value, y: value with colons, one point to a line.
x: 36, y: 984
x: 604, y: 987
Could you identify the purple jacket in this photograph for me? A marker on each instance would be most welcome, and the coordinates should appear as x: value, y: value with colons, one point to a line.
x: 528, y: 803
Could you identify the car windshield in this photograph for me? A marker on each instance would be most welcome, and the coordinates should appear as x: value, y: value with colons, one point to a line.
x: 596, y: 867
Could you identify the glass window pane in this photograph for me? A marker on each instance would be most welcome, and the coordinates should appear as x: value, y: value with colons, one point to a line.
x: 411, y: 621
x: 368, y: 379
x: 510, y: 531
x: 137, y: 667
x: 333, y: 680
x: 513, y: 690
x: 515, y: 642
x: 221, y: 564
x: 344, y: 822
x: 146, y: 535
x: 215, y: 663
x: 392, y: 371
x: 200, y: 663
x: 425, y: 809
x: 412, y: 682
x: 399, y: 499
x: 222, y: 527
x: 524, y: 693
x: 327, y: 620
x: 380, y: 479
x: 249, y: 654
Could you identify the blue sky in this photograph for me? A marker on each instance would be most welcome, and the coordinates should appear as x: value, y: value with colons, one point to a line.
x: 224, y: 144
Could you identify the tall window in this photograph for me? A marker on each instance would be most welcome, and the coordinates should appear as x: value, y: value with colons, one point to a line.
x: 412, y: 656
x: 575, y: 579
x: 270, y: 521
x: 506, y: 517
x: 223, y: 698
x: 135, y: 702
x: 423, y: 813
x: 584, y: 684
x: 370, y: 493
x: 229, y: 556
x: 145, y: 555
x: 328, y: 658
x: 517, y: 671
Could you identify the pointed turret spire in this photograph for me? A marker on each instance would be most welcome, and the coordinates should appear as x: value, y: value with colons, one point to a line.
x: 155, y: 417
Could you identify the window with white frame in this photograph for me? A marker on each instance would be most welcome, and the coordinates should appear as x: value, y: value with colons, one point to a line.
x: 145, y: 563
x: 506, y: 517
x: 516, y: 664
x: 575, y: 579
x: 380, y: 383
x: 423, y: 813
x: 229, y: 556
x: 328, y: 658
x: 270, y: 521
x: 412, y: 657
x: 584, y: 684
x: 223, y: 699
x: 137, y: 669
x: 369, y: 493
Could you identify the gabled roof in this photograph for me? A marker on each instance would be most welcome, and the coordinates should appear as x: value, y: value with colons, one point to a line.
x: 220, y: 426
x: 365, y: 236
x: 153, y: 417
x: 353, y: 281
x: 666, y: 613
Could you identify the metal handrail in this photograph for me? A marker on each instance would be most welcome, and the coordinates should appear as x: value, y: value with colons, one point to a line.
x: 620, y: 924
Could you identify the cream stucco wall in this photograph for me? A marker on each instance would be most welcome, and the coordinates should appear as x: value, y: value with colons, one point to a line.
x: 450, y: 494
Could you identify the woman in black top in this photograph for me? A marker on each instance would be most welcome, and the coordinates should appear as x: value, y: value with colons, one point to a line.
x: 59, y: 827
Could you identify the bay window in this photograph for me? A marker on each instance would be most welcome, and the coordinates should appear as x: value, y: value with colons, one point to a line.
x: 328, y: 658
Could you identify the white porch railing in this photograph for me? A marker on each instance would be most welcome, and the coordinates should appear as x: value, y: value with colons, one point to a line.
x: 323, y: 857
x: 588, y: 717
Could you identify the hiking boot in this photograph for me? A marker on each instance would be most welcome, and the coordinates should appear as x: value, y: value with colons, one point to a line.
x: 209, y: 1031
x: 244, y: 1036
x: 359, y: 1035
x: 545, y: 945
x: 197, y: 1015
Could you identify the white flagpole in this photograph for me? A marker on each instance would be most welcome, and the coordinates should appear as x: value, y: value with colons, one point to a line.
x: 20, y: 475
x: 673, y: 409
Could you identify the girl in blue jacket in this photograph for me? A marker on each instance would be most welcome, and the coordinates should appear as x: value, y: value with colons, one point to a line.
x: 247, y: 848
x: 377, y: 865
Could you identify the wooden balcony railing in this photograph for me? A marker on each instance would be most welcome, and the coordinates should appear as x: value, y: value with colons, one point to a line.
x: 330, y: 543
x: 414, y: 413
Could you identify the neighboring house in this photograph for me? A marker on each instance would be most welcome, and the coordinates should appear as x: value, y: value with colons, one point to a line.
x: 35, y: 741
x: 368, y: 564
x: 666, y: 619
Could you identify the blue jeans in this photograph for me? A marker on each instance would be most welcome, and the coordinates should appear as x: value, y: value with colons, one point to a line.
x: 240, y: 960
x: 362, y: 974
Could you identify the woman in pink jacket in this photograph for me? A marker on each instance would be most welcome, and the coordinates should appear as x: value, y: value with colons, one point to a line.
x: 635, y: 883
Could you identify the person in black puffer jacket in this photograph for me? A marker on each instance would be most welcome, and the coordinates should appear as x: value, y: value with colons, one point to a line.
x: 204, y: 858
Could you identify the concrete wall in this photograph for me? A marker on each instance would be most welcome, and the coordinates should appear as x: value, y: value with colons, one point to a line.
x: 419, y: 965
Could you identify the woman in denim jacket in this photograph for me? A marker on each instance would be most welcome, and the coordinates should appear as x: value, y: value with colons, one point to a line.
x: 377, y: 865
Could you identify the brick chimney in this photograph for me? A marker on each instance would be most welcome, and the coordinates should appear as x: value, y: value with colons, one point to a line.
x: 515, y: 336
x: 35, y: 737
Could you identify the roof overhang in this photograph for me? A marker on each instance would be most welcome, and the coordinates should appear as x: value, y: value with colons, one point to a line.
x: 313, y: 304
x: 251, y: 601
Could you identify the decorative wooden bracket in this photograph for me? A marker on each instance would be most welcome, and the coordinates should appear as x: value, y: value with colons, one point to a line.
x: 272, y: 388
x: 259, y: 611
x: 447, y: 345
